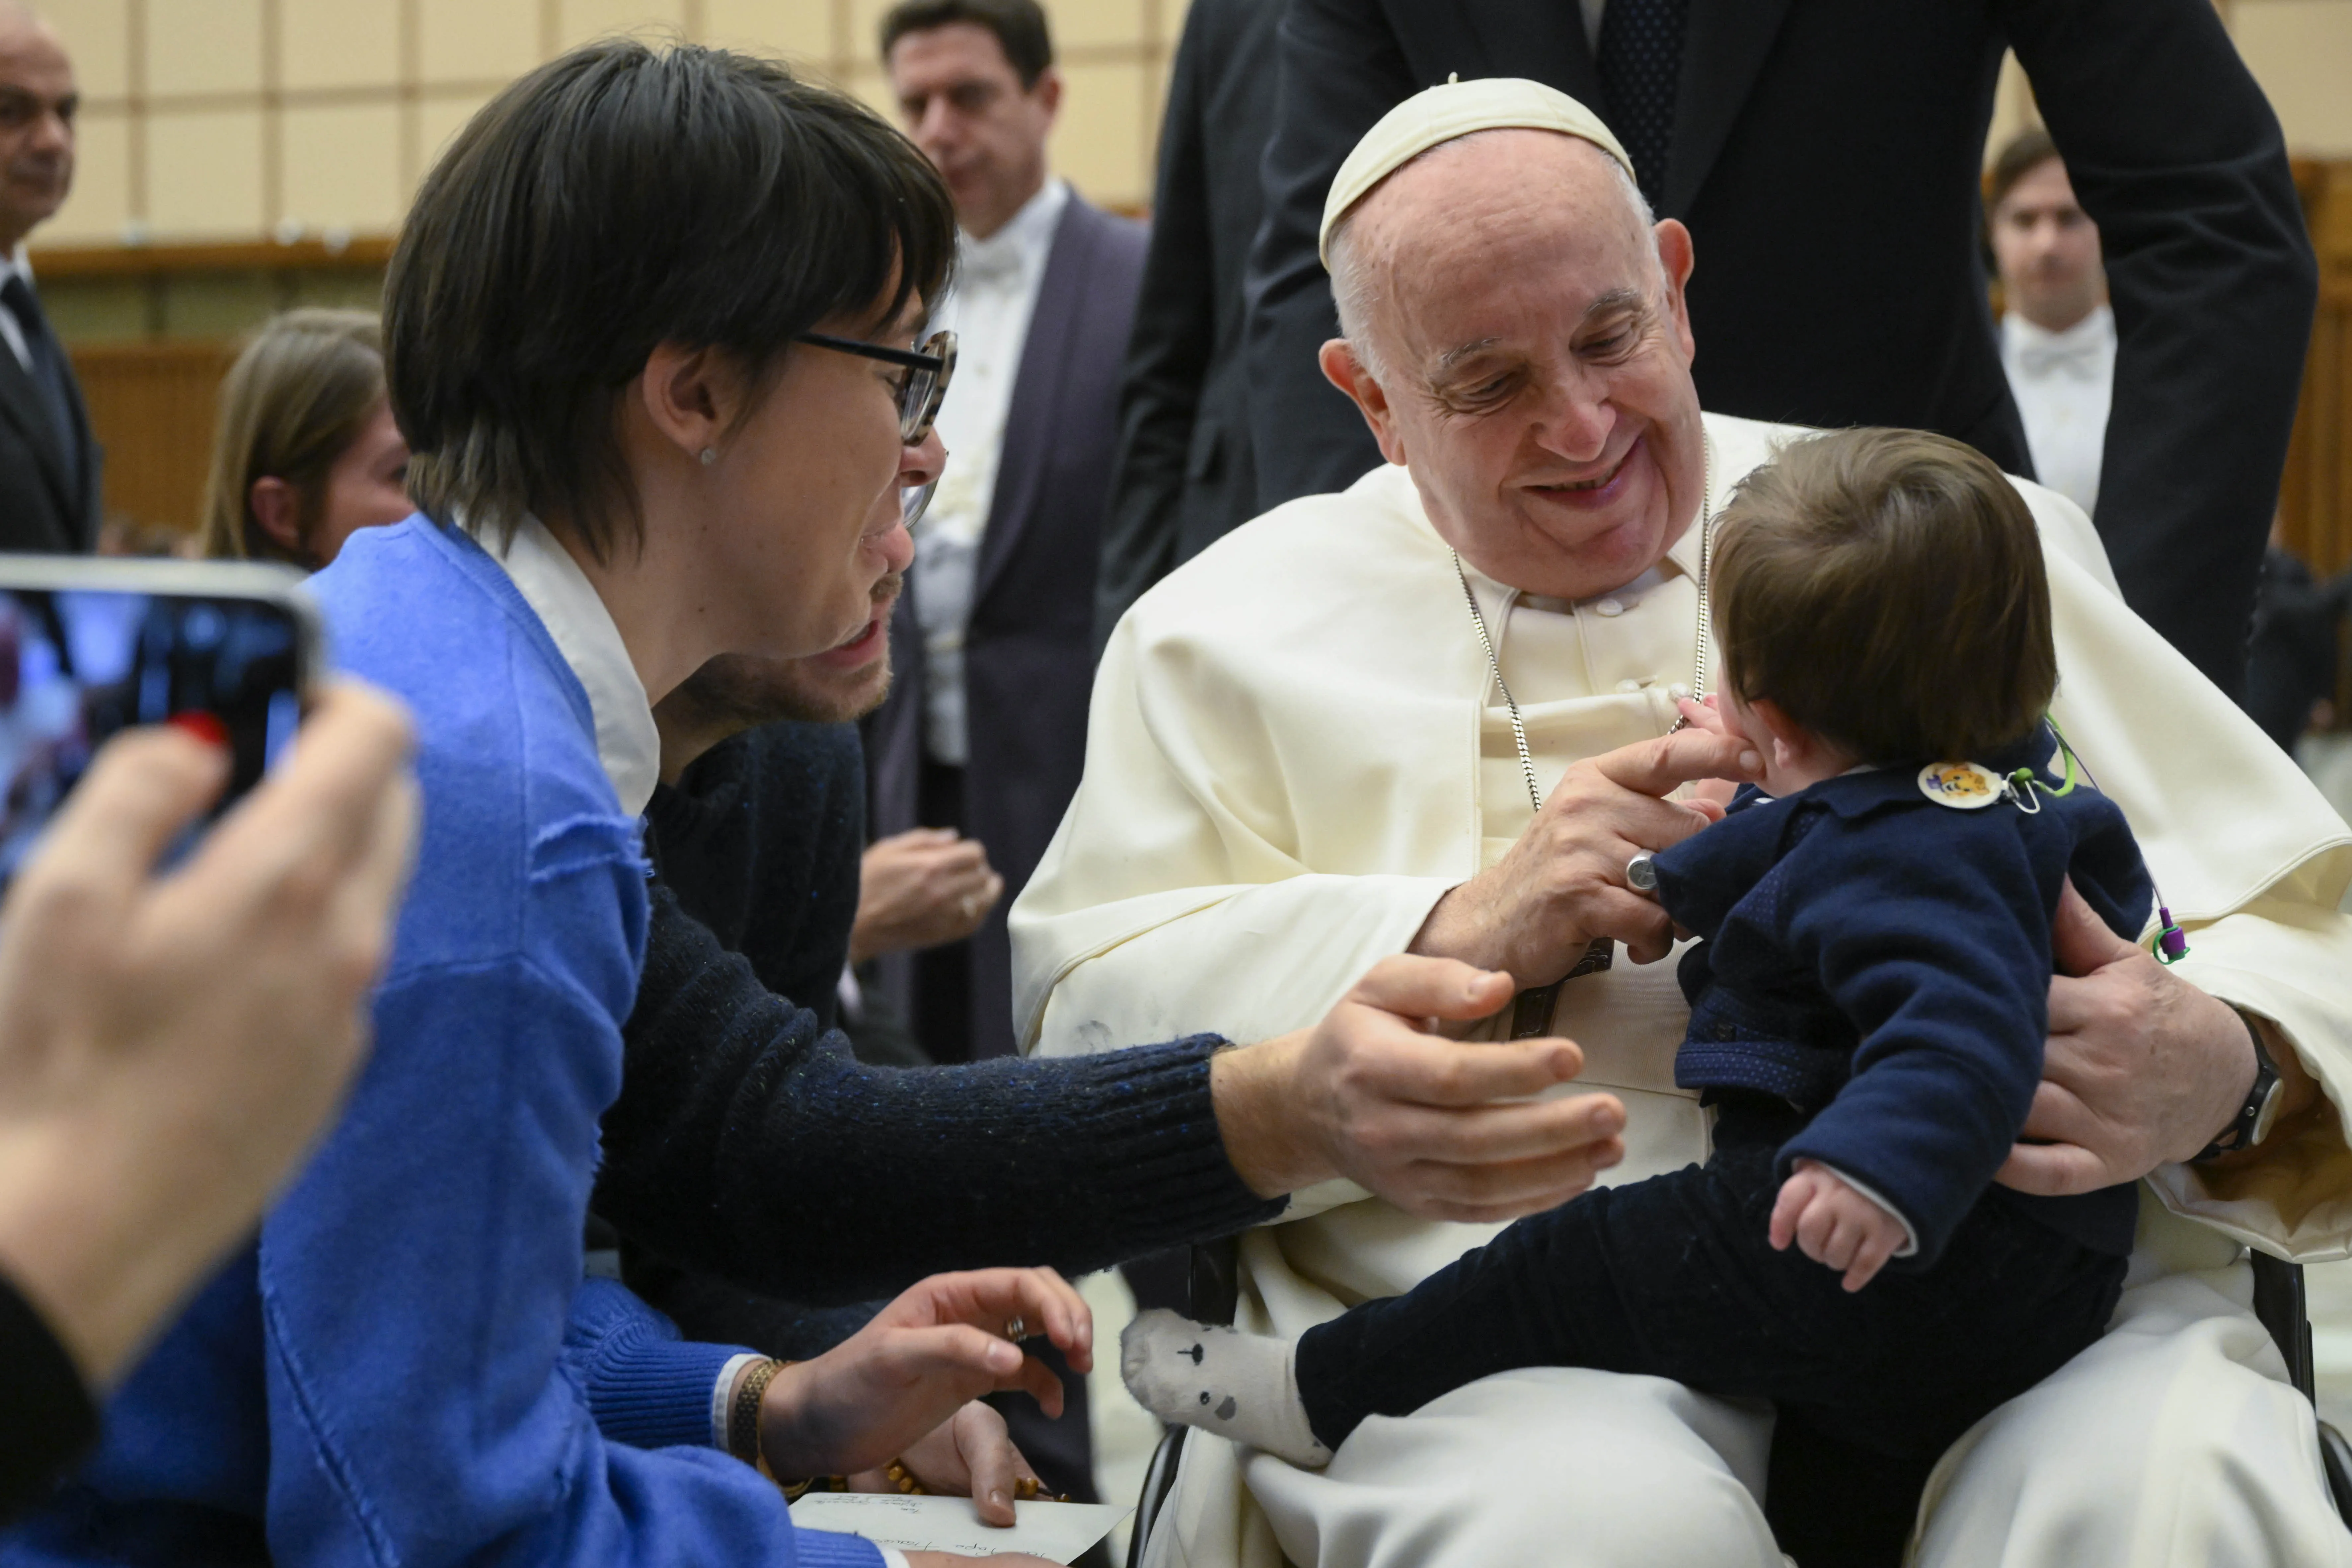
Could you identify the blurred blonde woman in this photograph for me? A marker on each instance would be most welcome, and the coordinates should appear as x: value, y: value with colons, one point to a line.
x: 306, y: 452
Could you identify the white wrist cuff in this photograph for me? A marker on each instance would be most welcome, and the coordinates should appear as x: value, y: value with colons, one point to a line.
x: 718, y: 1396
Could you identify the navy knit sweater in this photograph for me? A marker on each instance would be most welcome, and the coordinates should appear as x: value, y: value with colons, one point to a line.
x: 749, y: 1143
x: 1882, y: 962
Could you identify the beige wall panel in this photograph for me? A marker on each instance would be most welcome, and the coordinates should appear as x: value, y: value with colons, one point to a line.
x: 437, y: 121
x: 796, y: 29
x: 868, y: 83
x: 342, y: 167
x: 95, y: 36
x: 477, y: 40
x: 203, y: 45
x: 338, y: 43
x: 1088, y: 24
x: 2301, y: 51
x: 2012, y: 107
x: 866, y: 29
x: 1172, y: 22
x: 204, y: 174
x: 1099, y: 141
x: 100, y: 200
x: 581, y: 20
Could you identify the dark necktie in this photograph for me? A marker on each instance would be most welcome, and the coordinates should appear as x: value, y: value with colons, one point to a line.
x: 1641, y: 61
x: 48, y: 367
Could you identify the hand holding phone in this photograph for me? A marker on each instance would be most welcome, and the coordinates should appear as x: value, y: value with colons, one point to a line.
x: 89, y: 647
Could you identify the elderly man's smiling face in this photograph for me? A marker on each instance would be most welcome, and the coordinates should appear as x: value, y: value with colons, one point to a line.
x: 1530, y: 358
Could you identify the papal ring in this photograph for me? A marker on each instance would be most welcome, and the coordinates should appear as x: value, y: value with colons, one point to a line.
x: 1641, y: 873
x: 1015, y: 1330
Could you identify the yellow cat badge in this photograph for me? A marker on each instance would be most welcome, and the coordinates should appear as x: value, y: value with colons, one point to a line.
x: 1963, y: 786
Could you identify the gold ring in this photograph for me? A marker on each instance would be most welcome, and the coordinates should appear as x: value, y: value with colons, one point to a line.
x: 1015, y: 1330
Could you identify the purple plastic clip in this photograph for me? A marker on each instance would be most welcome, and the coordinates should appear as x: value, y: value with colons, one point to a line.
x: 2172, y: 946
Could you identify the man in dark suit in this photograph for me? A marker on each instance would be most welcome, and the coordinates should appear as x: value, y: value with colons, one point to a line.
x: 985, y: 730
x: 49, y: 461
x: 1825, y: 157
x: 1184, y: 476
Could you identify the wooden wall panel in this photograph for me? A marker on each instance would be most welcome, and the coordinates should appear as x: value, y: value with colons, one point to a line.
x: 150, y: 404
x: 2315, y: 494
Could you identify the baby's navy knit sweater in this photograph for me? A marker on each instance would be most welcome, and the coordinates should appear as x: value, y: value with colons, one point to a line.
x: 1881, y: 963
x: 385, y: 1377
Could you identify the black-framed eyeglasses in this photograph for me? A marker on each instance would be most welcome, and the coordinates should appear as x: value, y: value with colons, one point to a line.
x: 928, y: 371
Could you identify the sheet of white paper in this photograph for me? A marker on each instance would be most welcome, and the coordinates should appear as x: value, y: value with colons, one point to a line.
x: 1056, y: 1531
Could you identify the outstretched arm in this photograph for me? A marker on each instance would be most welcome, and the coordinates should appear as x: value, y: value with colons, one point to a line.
x: 2213, y: 282
x: 751, y: 1144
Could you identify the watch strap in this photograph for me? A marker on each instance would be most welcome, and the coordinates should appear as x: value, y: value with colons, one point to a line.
x: 743, y: 1410
x: 2246, y: 1129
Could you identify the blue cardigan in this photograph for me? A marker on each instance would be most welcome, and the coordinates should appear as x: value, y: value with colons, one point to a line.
x: 1883, y: 962
x: 399, y: 1371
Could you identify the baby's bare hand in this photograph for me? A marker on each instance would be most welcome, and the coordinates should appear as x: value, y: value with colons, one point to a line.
x: 1833, y: 1224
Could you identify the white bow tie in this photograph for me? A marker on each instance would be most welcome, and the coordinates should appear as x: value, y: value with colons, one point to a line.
x: 994, y: 264
x: 2081, y: 358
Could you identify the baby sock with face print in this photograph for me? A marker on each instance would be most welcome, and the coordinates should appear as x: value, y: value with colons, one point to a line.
x: 1242, y: 1386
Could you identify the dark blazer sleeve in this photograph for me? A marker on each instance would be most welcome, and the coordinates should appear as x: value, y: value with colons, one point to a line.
x: 1342, y: 69
x: 749, y: 1144
x: 2176, y: 155
x: 1167, y: 356
x: 46, y: 1420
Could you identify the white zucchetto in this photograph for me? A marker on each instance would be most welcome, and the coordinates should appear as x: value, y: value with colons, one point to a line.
x: 1448, y: 113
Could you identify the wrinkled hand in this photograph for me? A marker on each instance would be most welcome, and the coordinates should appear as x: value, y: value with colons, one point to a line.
x: 919, y: 889
x: 970, y: 1455
x: 1371, y: 1095
x: 172, y: 1043
x: 1706, y: 713
x: 936, y: 1348
x: 2142, y: 1067
x: 1562, y: 883
x: 1833, y: 1224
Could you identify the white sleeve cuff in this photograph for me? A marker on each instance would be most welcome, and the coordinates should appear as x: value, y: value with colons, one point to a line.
x: 1910, y: 1248
x: 719, y: 1393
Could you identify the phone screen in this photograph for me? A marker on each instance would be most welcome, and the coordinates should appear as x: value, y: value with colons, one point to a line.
x: 78, y: 665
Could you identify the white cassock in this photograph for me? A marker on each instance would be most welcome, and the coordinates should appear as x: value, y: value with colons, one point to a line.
x: 1296, y: 750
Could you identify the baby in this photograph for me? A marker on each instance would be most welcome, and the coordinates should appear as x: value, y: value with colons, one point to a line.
x: 1868, y: 1008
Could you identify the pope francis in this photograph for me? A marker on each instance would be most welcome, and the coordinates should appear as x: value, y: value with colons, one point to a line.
x: 1434, y: 714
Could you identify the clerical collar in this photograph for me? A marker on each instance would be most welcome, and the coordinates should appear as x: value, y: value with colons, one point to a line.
x: 1627, y: 597
x: 628, y: 746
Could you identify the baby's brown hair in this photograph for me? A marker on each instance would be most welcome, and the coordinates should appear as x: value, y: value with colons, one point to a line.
x: 1886, y: 589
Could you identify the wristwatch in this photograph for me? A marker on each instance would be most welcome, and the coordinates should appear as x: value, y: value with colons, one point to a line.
x: 2255, y: 1117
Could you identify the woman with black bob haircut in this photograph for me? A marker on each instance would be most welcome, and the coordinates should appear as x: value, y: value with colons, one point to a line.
x: 651, y: 329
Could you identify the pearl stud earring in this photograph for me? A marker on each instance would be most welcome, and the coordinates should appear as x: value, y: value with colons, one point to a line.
x: 710, y: 456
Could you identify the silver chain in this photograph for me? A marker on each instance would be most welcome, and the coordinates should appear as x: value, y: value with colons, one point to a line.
x: 1698, y: 666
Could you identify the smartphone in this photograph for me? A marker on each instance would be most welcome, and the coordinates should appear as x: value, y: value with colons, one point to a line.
x: 91, y: 646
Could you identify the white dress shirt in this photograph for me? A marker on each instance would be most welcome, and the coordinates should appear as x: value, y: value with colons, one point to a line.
x: 2061, y: 382
x: 989, y: 309
x: 10, y: 330
x: 568, y: 605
